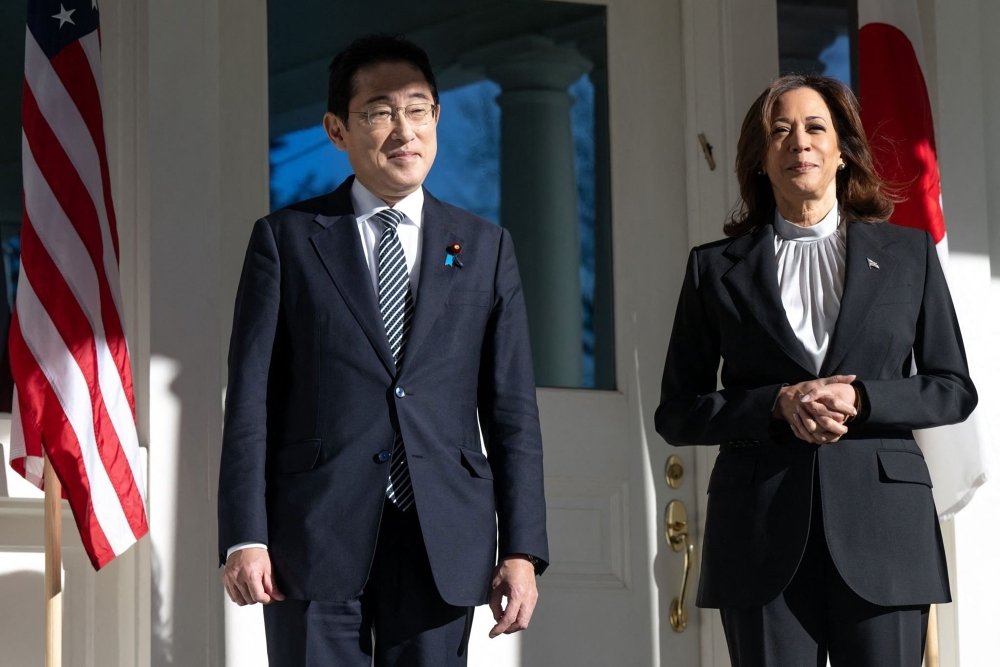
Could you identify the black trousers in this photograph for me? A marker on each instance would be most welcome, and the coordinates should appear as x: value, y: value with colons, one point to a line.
x: 399, y: 620
x: 818, y: 615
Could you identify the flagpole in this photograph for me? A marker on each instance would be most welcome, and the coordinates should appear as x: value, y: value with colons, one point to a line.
x: 53, y: 568
x: 932, y: 652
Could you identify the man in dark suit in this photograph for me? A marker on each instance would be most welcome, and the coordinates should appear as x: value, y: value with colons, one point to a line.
x: 377, y: 333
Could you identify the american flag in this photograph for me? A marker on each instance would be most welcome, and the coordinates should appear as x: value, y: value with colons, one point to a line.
x: 896, y: 114
x: 73, y: 397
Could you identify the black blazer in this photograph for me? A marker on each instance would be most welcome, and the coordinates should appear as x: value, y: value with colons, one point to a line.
x: 878, y: 510
x: 314, y: 397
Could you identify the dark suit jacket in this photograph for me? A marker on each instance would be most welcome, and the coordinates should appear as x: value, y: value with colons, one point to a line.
x: 314, y: 397
x: 877, y: 506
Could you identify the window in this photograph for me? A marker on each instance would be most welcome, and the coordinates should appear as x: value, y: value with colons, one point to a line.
x: 818, y: 37
x: 554, y: 193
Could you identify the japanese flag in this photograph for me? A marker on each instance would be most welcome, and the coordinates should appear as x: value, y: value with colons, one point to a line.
x: 896, y: 113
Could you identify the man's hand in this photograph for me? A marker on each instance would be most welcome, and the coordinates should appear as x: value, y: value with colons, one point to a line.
x: 818, y: 409
x: 247, y: 577
x: 514, y: 579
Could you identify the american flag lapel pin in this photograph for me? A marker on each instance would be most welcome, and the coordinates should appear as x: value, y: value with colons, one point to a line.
x: 872, y: 264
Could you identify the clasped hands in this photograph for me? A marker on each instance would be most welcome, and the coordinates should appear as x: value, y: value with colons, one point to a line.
x: 818, y: 410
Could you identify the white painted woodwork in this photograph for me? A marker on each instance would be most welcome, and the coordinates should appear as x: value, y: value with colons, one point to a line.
x: 185, y: 106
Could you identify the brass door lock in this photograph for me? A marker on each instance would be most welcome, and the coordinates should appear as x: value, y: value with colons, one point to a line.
x: 673, y: 471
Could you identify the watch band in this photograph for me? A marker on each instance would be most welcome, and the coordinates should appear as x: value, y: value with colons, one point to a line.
x: 534, y: 560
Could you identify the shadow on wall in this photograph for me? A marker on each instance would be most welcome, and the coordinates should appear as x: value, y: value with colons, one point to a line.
x: 187, y: 594
x: 22, y: 632
x: 4, y: 493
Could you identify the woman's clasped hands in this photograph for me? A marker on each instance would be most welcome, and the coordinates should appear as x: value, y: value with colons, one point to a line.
x: 818, y: 411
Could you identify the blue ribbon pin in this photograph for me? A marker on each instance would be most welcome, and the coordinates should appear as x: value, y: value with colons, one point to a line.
x: 451, y: 255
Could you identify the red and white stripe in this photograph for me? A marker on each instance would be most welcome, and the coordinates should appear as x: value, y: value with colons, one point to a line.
x: 69, y: 358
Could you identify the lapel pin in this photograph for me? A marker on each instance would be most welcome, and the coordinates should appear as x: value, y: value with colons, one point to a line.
x: 451, y: 256
x: 872, y: 264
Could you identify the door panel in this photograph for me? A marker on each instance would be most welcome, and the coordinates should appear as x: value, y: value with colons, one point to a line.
x: 606, y: 597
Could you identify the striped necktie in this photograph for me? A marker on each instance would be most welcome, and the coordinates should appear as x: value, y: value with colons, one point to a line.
x: 395, y: 301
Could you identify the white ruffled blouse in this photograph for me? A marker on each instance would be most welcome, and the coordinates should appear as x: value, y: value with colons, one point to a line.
x: 811, y: 264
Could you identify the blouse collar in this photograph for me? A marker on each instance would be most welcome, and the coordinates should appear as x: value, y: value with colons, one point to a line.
x: 792, y: 232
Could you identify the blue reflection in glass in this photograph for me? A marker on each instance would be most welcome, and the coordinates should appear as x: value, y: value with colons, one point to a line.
x: 466, y: 172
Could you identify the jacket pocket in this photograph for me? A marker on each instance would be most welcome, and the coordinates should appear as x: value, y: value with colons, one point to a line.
x: 477, y: 464
x: 732, y: 472
x: 298, y: 456
x: 897, y: 465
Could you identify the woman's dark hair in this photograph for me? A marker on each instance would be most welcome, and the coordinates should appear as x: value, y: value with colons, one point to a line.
x: 862, y: 194
x: 372, y: 50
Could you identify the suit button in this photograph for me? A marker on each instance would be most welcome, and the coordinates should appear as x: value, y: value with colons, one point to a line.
x: 400, y: 393
x: 383, y: 456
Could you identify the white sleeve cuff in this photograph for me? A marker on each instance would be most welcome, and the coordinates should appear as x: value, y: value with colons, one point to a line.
x: 244, y: 545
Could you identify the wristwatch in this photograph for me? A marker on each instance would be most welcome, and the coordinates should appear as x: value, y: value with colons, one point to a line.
x: 534, y: 560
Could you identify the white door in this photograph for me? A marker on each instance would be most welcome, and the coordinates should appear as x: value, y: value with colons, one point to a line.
x: 676, y: 70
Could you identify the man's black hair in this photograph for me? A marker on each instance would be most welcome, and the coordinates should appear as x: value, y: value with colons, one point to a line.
x: 372, y: 50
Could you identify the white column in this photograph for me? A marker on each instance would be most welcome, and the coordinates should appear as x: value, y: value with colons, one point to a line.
x: 206, y: 125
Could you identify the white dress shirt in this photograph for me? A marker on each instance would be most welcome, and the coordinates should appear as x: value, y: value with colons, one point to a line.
x: 412, y: 206
x: 811, y: 265
x: 365, y: 206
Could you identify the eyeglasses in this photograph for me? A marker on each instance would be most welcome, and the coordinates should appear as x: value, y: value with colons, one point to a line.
x: 382, y: 115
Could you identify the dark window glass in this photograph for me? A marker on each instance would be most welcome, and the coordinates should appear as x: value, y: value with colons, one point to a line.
x: 12, y: 16
x: 818, y: 37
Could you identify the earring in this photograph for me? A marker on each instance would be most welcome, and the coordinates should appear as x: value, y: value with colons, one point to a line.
x: 761, y: 172
x: 841, y: 167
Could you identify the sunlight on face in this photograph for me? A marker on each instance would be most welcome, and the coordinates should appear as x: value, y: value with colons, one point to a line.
x: 392, y: 160
x: 803, y: 155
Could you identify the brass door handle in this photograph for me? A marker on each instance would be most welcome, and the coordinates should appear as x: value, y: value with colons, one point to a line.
x: 678, y: 609
x: 676, y: 530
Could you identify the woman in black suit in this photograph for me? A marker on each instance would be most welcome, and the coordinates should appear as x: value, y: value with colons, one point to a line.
x: 821, y: 538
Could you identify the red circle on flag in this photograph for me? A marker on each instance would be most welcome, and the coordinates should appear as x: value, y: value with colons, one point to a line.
x: 896, y: 113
